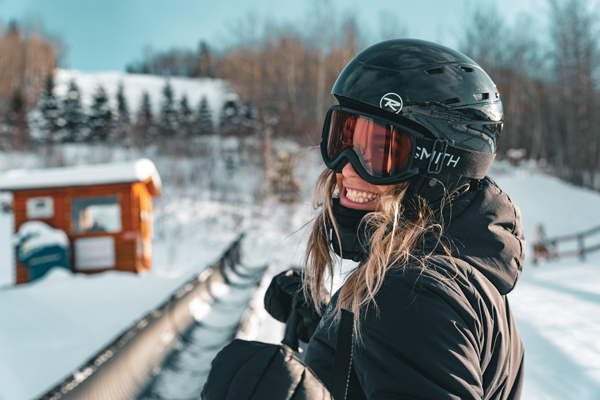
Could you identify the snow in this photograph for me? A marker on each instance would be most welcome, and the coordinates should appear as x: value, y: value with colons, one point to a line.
x: 183, y: 374
x: 39, y: 236
x: 51, y: 326
x: 557, y: 304
x: 134, y: 86
x: 83, y: 175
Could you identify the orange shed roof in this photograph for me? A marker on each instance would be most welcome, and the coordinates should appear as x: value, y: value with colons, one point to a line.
x: 142, y: 170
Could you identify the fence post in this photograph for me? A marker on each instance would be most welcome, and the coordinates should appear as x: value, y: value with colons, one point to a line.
x: 580, y: 243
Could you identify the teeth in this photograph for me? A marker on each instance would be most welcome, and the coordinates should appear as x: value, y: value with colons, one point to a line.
x: 360, y: 197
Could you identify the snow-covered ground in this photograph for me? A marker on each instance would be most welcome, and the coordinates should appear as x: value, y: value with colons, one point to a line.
x: 557, y: 304
x: 50, y: 327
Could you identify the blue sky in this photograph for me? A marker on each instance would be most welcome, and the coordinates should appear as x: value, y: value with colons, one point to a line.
x: 108, y: 34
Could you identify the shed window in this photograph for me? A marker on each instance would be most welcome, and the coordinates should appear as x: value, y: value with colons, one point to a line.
x: 96, y: 214
x: 40, y: 207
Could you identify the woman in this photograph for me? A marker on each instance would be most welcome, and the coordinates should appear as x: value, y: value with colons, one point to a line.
x: 439, y: 245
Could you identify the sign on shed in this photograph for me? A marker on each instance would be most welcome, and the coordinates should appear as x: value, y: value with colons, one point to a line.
x: 104, y: 209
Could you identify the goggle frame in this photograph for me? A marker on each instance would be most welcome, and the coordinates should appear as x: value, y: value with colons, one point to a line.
x: 349, y: 154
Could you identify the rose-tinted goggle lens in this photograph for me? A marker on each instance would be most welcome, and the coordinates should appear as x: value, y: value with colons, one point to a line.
x: 383, y: 149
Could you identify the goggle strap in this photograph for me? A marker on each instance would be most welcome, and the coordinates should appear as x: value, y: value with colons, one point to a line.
x: 440, y: 157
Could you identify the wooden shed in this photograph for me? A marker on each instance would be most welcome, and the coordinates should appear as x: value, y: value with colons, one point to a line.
x: 105, y: 210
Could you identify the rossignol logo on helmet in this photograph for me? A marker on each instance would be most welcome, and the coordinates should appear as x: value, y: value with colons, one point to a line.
x: 422, y: 153
x: 391, y: 101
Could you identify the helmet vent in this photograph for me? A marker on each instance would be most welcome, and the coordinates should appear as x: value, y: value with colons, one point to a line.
x: 434, y: 71
x: 481, y: 96
x: 467, y: 69
x: 453, y: 100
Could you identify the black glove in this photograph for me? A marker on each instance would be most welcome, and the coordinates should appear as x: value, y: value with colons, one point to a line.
x: 255, y: 371
x: 285, y: 302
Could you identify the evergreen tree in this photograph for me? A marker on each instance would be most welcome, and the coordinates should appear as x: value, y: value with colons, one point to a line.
x: 239, y: 120
x: 144, y: 130
x: 19, y: 120
x: 251, y: 119
x: 6, y: 131
x: 122, y: 119
x: 14, y: 127
x: 101, y: 118
x: 49, y: 124
x: 230, y: 121
x: 186, y: 118
x: 72, y: 120
x: 205, y: 121
x: 169, y: 123
x: 122, y: 105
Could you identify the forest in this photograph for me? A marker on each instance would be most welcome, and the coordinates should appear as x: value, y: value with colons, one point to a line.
x: 547, y: 78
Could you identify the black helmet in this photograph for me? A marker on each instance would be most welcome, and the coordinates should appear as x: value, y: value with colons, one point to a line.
x: 439, y: 101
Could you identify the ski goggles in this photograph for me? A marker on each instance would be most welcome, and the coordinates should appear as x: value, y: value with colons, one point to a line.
x: 386, y: 152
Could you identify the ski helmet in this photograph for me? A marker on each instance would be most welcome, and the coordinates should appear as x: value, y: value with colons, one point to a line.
x: 411, y: 107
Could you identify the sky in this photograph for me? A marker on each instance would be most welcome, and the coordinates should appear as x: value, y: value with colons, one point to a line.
x: 106, y: 35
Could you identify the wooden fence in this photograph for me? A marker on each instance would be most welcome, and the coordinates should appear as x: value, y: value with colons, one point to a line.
x: 548, y: 248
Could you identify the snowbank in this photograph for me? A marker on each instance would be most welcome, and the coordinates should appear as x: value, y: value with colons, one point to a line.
x: 39, y: 235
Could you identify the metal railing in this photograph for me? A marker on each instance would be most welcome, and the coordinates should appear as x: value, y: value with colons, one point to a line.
x: 126, y: 367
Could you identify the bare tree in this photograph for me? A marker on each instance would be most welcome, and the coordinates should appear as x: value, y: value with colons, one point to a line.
x: 575, y: 55
x: 510, y: 55
x: 322, y: 30
x: 25, y: 62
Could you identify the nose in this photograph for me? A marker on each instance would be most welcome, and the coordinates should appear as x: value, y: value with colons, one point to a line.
x: 348, y: 171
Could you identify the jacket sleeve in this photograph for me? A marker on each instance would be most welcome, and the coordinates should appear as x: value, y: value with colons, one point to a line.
x: 421, y: 343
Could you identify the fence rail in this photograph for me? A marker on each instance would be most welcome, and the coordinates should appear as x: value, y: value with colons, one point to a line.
x: 125, y: 368
x: 548, y: 248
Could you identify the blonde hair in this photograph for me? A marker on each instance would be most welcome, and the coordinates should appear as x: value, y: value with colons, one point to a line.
x: 393, y: 242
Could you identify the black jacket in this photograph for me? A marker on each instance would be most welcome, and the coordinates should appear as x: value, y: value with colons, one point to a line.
x: 446, y: 331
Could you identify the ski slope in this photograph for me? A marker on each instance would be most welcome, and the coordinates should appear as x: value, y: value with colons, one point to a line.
x: 51, y: 326
x: 557, y: 304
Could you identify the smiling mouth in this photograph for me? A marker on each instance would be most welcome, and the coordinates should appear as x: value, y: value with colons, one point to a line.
x: 357, y: 196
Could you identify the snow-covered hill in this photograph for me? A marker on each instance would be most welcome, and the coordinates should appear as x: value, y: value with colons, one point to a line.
x: 215, y: 90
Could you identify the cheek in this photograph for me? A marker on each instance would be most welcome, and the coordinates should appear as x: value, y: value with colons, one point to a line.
x: 385, y: 189
x: 339, y: 178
